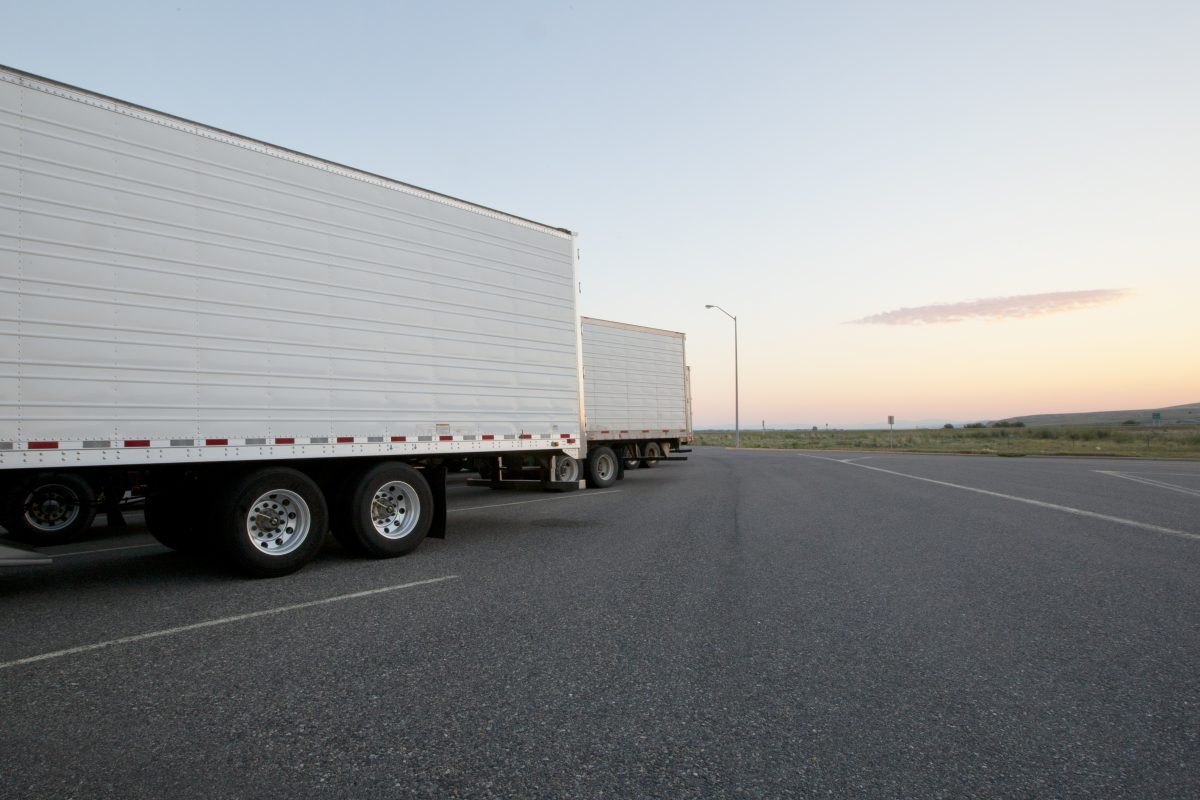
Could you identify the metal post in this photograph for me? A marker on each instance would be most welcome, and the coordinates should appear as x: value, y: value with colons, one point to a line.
x: 737, y: 418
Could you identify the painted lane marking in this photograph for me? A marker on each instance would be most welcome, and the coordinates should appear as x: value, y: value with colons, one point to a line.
x: 106, y: 550
x: 1039, y: 503
x: 1150, y: 482
x: 222, y: 621
x: 1167, y: 474
x: 589, y: 493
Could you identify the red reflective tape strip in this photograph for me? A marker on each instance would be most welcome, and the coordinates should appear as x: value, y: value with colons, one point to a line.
x: 645, y: 430
x: 623, y: 431
x: 526, y: 435
x: 216, y: 442
x: 399, y: 438
x: 43, y: 445
x: 345, y: 439
x: 446, y: 438
x: 285, y: 440
x: 488, y: 437
x: 604, y: 431
x: 564, y: 436
x: 137, y: 442
x: 570, y: 441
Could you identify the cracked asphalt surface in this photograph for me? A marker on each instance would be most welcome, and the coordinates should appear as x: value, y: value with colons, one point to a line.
x: 746, y: 624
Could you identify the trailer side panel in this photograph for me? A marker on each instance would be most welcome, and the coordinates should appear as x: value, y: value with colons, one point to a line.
x: 172, y: 293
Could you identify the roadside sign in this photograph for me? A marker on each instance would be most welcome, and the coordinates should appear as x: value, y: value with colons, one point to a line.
x: 891, y: 419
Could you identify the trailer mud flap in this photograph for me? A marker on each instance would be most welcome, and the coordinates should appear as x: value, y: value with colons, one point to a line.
x: 436, y: 478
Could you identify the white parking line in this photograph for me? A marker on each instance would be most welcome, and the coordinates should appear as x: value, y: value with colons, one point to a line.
x: 1039, y: 503
x: 222, y: 621
x: 106, y: 550
x: 1150, y: 482
x: 573, y: 496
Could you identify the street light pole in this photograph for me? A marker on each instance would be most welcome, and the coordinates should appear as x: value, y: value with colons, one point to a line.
x: 737, y: 421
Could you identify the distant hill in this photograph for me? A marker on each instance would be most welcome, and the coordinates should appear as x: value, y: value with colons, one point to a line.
x: 1171, y: 415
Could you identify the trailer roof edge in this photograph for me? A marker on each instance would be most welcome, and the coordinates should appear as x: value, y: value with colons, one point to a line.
x: 26, y: 77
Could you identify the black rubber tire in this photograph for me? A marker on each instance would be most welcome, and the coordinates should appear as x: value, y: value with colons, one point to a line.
x: 567, y: 469
x: 354, y: 525
x: 650, y: 455
x: 230, y: 522
x: 601, y: 468
x: 185, y: 532
x: 62, y: 488
x: 486, y: 467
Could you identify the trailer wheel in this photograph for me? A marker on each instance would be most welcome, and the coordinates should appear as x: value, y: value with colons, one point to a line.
x: 601, y: 468
x: 651, y: 452
x: 566, y: 469
x: 486, y: 467
x: 386, y: 512
x: 271, y: 522
x: 629, y: 455
x: 50, y: 508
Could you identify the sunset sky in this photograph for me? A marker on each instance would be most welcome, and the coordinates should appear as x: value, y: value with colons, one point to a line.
x: 937, y: 210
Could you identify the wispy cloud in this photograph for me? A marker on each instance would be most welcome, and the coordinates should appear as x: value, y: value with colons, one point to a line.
x: 1022, y: 306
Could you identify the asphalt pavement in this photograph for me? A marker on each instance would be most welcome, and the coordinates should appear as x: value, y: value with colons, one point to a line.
x: 745, y: 624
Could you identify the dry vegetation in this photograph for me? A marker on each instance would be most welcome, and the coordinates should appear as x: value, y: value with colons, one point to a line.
x: 1133, y: 441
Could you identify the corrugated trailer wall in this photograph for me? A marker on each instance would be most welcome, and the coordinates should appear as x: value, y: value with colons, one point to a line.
x: 165, y: 282
x: 634, y: 379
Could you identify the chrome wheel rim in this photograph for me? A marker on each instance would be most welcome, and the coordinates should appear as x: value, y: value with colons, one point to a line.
x: 278, y: 522
x: 395, y: 510
x: 52, y: 507
x: 566, y: 469
x: 606, y: 467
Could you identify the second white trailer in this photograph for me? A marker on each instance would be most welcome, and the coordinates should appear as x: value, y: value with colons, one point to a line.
x: 637, y: 397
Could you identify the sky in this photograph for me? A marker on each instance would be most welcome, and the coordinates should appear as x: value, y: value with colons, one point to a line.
x: 940, y: 211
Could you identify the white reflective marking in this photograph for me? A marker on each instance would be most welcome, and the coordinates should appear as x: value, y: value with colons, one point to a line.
x: 213, y: 622
x: 1151, y: 482
x: 589, y: 493
x: 1039, y: 503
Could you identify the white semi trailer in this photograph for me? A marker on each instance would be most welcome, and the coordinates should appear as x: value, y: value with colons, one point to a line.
x: 637, y: 397
x: 266, y: 343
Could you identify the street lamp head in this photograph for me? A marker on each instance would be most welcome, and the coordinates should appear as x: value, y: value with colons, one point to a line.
x: 708, y: 306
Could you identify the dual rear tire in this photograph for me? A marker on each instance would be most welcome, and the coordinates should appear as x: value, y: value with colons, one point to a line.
x: 385, y: 511
x: 49, y: 508
x: 273, y: 521
x: 602, y: 467
x: 651, y: 453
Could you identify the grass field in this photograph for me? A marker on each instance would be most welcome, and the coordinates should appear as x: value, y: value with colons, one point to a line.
x: 1134, y: 442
